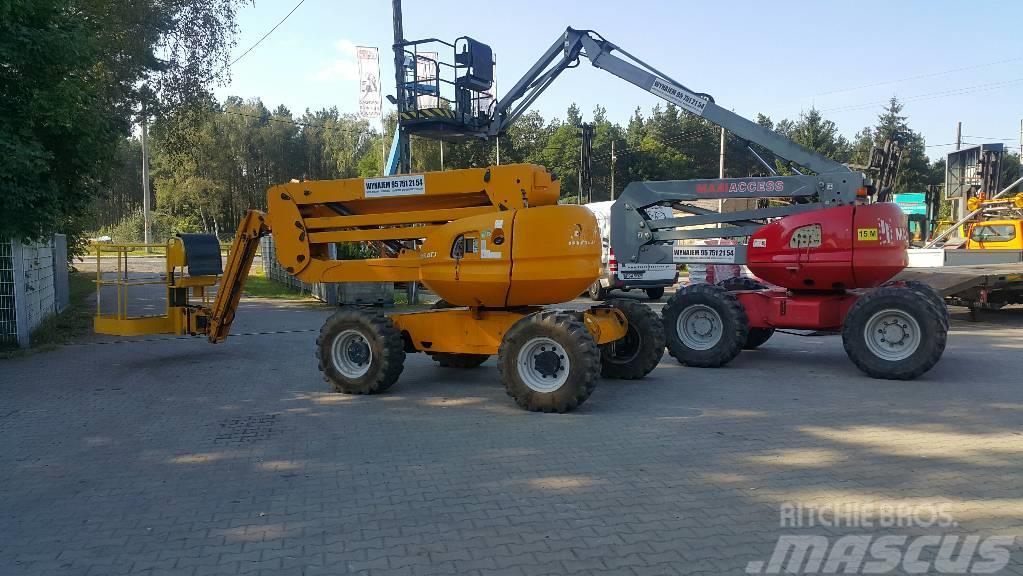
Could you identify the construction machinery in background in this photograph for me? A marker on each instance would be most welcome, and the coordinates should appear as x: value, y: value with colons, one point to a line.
x: 649, y: 278
x: 829, y: 250
x: 498, y: 248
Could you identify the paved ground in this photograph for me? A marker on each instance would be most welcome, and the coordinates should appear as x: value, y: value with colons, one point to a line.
x: 178, y: 457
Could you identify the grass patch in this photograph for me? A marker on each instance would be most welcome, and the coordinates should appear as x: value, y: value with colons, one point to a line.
x: 259, y: 286
x: 69, y: 325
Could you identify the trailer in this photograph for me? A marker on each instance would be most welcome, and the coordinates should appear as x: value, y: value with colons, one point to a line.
x: 977, y: 279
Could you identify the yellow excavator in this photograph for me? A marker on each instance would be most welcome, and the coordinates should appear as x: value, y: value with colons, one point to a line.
x: 495, y: 245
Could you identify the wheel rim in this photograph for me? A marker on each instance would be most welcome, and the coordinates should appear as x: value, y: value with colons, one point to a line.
x: 351, y: 354
x: 626, y: 348
x: 699, y: 327
x: 892, y: 335
x: 543, y: 365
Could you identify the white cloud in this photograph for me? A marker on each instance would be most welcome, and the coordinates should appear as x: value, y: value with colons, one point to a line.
x: 345, y: 46
x: 345, y: 68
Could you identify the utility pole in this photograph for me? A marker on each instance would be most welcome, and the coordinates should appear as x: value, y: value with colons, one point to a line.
x: 1021, y: 143
x: 441, y: 155
x: 147, y: 225
x: 614, y: 159
x: 404, y: 153
x: 959, y: 135
x: 497, y: 139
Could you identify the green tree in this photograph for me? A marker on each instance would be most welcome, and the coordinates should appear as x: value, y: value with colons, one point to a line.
x: 72, y: 75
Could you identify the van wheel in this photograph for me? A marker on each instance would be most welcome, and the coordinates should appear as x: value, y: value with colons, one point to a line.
x: 655, y: 293
x: 598, y: 292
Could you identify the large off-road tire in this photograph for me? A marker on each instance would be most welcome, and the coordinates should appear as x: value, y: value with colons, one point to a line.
x: 638, y: 352
x: 757, y: 336
x: 893, y: 333
x: 360, y: 351
x: 655, y: 293
x: 925, y: 291
x: 705, y: 326
x: 597, y: 292
x: 549, y: 362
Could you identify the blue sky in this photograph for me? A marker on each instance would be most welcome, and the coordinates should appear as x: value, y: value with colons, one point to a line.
x: 777, y: 57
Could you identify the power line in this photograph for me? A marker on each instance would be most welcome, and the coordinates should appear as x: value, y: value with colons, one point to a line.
x: 919, y: 76
x: 992, y: 138
x: 931, y: 95
x: 258, y: 42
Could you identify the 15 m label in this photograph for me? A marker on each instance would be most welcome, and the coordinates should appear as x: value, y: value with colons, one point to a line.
x: 866, y: 234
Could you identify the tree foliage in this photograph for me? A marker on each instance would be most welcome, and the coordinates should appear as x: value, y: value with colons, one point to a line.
x: 73, y: 76
x: 213, y: 162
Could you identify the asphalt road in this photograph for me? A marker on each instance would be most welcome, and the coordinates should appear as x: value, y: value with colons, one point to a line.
x: 174, y: 456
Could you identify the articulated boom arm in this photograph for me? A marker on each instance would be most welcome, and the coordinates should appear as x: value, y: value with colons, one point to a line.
x: 565, y: 54
x: 239, y: 261
x: 634, y: 237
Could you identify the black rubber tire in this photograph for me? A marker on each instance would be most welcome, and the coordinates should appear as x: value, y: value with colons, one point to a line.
x: 459, y: 360
x: 635, y: 355
x: 757, y: 336
x: 734, y: 329
x: 933, y: 332
x: 583, y: 355
x: 927, y: 292
x: 385, y: 343
x: 655, y: 293
x: 597, y: 292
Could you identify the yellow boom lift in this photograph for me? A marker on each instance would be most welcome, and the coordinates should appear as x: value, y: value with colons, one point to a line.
x: 492, y: 242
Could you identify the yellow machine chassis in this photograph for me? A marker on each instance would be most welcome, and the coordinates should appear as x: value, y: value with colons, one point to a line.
x: 480, y: 331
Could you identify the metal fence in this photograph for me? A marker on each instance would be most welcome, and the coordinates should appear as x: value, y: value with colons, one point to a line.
x: 33, y: 286
x: 360, y: 293
x: 8, y: 315
x: 273, y: 271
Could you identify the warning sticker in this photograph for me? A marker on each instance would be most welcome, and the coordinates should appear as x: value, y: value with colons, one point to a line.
x: 404, y: 185
x: 704, y: 254
x: 678, y: 95
x: 867, y: 234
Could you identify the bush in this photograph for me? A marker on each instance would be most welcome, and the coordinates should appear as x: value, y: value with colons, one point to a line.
x: 131, y: 230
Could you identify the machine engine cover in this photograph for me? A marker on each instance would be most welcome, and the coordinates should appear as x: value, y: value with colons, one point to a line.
x: 832, y: 249
x: 541, y: 255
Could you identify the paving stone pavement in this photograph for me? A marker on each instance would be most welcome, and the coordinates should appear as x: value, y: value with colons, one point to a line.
x: 180, y: 457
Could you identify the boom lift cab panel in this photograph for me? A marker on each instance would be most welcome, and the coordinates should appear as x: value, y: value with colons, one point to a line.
x: 462, y: 264
x: 550, y: 253
x: 857, y: 246
x: 555, y: 254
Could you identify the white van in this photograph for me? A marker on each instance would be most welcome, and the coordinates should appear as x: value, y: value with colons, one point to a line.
x: 651, y: 278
